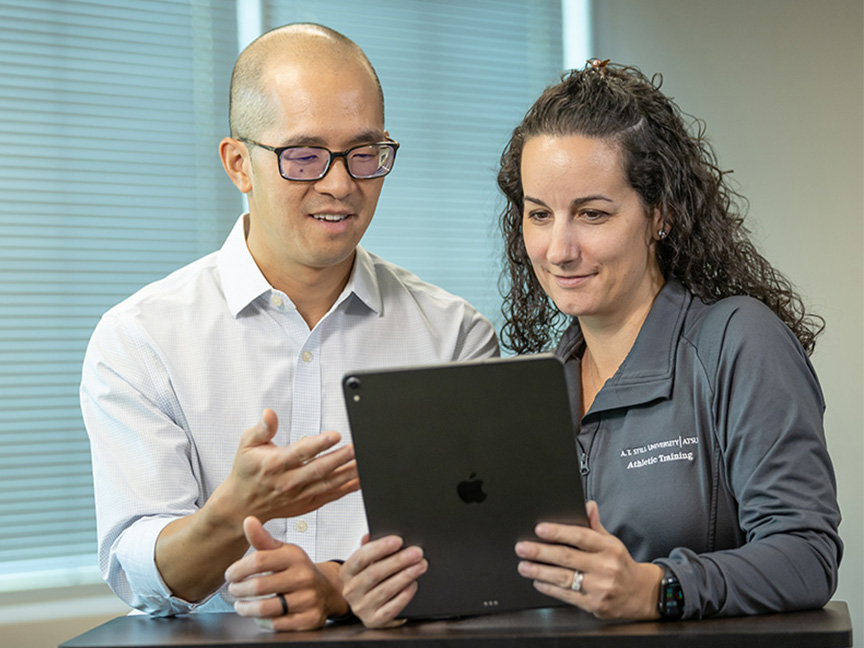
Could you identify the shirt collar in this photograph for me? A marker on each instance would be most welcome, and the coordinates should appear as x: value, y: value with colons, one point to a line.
x: 648, y: 370
x: 243, y: 281
x: 241, y: 277
x: 363, y: 281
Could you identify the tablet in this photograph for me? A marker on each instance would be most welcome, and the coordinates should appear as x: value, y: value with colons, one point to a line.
x: 463, y: 460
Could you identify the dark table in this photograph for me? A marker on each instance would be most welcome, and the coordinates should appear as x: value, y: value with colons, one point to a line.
x: 552, y: 627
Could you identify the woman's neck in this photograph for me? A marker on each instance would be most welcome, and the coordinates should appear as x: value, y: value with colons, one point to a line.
x: 607, y: 343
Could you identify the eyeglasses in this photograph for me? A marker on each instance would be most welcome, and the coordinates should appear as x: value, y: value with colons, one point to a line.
x: 311, y: 163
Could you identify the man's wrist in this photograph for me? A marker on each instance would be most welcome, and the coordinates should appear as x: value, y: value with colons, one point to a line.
x: 336, y: 606
x: 222, y: 513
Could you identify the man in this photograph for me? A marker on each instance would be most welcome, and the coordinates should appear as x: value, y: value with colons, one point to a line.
x: 273, y: 320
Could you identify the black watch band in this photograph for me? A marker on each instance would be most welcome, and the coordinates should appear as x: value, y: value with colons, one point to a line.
x: 671, y: 602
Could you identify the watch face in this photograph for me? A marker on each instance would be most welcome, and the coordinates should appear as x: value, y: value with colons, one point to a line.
x: 671, y: 604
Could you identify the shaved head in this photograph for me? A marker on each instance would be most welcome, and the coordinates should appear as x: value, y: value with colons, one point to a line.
x: 251, y: 108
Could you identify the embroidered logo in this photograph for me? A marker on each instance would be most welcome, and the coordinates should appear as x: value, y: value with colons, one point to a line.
x: 659, y: 452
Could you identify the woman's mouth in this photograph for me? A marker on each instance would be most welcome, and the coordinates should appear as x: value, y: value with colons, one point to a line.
x: 571, y: 281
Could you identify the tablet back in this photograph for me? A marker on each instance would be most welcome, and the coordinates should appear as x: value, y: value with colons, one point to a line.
x: 464, y: 460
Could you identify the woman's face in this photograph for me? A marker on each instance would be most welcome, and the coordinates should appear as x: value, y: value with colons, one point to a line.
x: 588, y: 235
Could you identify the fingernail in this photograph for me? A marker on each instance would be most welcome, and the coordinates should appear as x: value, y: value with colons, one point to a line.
x: 266, y: 624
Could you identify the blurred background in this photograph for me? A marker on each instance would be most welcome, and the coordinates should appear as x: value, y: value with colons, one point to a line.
x: 111, y: 112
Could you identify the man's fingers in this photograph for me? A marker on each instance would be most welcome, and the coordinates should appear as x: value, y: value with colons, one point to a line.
x: 370, y: 552
x: 304, y: 450
x: 258, y: 536
x: 317, y: 499
x: 385, y: 616
x: 321, y: 475
x: 270, y: 568
x: 264, y: 608
x: 262, y: 431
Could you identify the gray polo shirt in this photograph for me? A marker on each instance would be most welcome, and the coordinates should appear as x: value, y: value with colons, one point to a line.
x: 705, y: 452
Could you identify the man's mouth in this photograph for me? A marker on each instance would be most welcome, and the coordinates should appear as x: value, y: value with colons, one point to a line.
x: 330, y: 218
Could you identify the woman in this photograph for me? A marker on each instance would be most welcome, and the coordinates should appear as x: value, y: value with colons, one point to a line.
x: 699, y: 416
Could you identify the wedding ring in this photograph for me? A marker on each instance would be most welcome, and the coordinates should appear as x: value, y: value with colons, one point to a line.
x: 576, y: 585
x: 284, y: 603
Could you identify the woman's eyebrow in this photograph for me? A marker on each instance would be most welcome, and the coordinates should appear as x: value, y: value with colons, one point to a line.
x: 576, y: 202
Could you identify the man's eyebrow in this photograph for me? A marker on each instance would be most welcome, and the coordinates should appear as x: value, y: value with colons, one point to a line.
x: 576, y: 202
x: 366, y: 137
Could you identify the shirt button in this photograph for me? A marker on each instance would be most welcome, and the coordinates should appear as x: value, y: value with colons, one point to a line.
x: 302, y: 527
x: 276, y: 301
x: 307, y: 356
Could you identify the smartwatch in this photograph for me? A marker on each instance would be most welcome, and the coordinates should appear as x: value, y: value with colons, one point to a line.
x: 671, y: 603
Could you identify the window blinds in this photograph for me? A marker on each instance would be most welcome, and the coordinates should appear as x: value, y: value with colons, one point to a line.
x: 109, y: 179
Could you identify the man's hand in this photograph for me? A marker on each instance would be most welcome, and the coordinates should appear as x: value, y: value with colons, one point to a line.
x: 311, y: 592
x: 266, y: 481
x: 269, y: 481
x: 379, y: 580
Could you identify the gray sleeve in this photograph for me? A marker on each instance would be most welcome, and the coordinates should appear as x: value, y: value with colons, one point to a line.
x: 768, y: 410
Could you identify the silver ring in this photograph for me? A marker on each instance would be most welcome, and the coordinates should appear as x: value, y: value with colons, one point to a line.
x: 284, y: 603
x: 576, y: 585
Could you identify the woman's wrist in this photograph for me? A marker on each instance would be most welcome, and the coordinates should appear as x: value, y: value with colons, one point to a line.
x: 652, y: 576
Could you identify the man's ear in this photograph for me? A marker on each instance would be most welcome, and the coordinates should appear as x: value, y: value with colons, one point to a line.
x: 235, y: 159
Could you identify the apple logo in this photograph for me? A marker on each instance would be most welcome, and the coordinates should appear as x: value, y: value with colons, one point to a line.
x: 471, y: 490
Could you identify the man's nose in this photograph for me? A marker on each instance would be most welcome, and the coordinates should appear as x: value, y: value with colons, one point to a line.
x: 337, y: 182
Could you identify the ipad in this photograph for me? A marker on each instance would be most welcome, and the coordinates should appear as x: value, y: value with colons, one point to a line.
x: 463, y: 460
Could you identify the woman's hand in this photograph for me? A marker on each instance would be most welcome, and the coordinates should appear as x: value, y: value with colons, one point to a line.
x: 613, y: 585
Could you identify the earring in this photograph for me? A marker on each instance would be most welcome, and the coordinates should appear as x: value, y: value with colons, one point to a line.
x: 662, y: 234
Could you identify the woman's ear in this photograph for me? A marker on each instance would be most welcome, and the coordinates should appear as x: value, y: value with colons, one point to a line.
x: 661, y: 223
x: 235, y: 159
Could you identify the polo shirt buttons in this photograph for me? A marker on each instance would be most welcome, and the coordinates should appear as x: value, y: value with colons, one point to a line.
x: 302, y: 526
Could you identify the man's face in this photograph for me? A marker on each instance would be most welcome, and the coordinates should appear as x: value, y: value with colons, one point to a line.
x: 299, y: 228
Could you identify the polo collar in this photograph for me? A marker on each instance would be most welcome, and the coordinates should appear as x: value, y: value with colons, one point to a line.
x: 648, y: 370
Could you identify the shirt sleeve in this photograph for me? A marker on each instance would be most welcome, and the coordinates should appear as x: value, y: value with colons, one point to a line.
x: 768, y: 410
x: 477, y: 339
x: 142, y: 462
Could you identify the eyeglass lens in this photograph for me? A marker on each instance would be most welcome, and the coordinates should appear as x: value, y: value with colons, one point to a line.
x: 311, y: 163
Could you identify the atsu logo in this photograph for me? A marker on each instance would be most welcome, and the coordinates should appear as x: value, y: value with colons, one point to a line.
x: 657, y: 452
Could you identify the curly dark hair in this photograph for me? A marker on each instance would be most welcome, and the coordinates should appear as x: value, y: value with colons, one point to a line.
x: 707, y: 249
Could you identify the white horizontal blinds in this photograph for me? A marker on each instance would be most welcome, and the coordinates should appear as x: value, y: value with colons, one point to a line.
x: 457, y: 77
x: 110, y: 115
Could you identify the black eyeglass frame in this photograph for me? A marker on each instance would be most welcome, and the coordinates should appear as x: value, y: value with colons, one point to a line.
x: 333, y: 155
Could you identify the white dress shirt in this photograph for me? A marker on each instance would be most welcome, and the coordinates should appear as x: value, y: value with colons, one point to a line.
x: 174, y: 374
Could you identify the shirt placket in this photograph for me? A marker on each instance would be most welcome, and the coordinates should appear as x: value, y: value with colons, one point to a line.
x: 305, y: 398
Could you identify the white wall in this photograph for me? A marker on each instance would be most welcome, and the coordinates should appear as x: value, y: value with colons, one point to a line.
x: 779, y: 84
